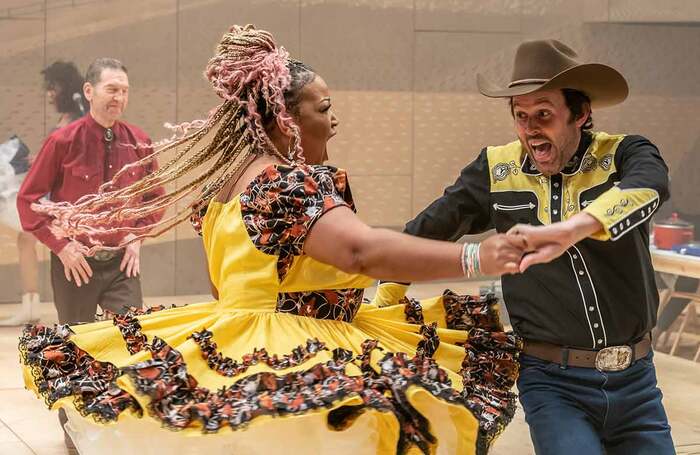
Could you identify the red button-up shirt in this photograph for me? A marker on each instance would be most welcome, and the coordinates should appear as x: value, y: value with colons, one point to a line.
x: 74, y: 161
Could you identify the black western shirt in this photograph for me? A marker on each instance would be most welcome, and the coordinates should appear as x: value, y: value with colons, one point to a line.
x: 601, y: 291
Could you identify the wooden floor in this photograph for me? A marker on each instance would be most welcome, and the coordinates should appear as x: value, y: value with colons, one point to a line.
x: 26, y: 427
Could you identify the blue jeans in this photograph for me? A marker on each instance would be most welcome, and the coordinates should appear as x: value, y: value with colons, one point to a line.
x: 584, y: 411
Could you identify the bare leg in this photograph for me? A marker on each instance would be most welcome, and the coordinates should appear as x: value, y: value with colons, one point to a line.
x: 29, y: 275
x: 28, y: 262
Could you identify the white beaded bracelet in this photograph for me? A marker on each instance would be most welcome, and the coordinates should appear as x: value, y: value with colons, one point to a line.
x: 471, y: 264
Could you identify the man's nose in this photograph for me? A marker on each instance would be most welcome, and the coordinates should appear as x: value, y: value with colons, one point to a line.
x: 532, y: 126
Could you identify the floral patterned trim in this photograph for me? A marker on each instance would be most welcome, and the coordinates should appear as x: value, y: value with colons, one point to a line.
x: 61, y: 369
x: 228, y: 367
x: 337, y: 304
x: 430, y: 342
x: 178, y: 401
x: 282, y: 203
x: 130, y: 328
x: 489, y: 371
x: 413, y: 310
x: 465, y: 311
x: 199, y: 210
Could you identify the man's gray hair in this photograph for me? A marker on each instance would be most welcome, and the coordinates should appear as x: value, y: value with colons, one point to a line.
x: 94, y: 71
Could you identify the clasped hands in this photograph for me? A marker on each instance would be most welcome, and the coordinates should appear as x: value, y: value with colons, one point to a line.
x: 524, y: 246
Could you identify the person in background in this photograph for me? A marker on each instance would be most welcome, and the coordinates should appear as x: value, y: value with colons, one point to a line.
x: 64, y: 91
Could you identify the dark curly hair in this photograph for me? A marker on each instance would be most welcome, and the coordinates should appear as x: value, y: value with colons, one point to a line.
x: 65, y: 79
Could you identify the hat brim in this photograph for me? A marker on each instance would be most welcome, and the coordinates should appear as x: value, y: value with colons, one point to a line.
x: 604, y: 85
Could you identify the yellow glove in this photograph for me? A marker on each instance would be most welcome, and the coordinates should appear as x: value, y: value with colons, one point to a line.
x: 389, y: 293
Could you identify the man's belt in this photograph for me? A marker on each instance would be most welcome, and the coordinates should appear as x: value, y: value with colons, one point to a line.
x: 106, y: 255
x: 611, y: 358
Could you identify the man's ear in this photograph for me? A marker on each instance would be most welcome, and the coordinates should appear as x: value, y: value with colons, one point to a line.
x: 87, y: 91
x: 583, y: 118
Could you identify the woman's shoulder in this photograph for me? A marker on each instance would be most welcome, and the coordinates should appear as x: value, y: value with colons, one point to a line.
x: 296, y: 186
x: 290, y: 172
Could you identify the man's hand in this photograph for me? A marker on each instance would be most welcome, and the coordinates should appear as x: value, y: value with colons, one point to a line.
x: 546, y: 243
x: 131, y: 264
x: 74, y: 264
x: 501, y: 254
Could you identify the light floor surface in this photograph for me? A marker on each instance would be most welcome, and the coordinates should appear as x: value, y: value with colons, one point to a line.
x: 27, y: 427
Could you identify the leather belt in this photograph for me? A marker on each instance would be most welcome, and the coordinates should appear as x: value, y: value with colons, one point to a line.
x: 611, y: 358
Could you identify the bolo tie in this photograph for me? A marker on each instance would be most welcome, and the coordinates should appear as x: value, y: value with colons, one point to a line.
x: 108, y: 138
x: 109, y: 135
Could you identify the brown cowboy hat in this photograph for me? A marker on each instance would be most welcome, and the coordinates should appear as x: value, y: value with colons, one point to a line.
x: 550, y: 64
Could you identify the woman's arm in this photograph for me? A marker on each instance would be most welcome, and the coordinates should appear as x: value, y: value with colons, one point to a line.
x: 341, y: 239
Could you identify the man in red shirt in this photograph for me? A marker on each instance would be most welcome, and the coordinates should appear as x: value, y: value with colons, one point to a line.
x: 74, y: 161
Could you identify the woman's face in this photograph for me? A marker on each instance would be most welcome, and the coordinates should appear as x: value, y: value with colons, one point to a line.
x: 52, y: 92
x: 316, y: 120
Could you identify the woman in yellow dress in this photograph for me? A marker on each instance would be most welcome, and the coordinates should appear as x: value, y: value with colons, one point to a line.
x: 288, y: 357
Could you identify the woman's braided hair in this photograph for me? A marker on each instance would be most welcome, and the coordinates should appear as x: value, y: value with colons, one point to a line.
x: 258, y: 83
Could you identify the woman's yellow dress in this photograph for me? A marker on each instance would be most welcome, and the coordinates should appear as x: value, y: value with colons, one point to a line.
x: 289, y: 359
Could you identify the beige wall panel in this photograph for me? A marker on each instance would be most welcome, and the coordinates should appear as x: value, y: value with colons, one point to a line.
x: 382, y: 200
x: 375, y: 132
x: 451, y: 129
x: 359, y: 45
x: 468, y: 15
x: 450, y: 61
x: 21, y: 91
x: 654, y: 11
x: 660, y: 60
x: 543, y: 19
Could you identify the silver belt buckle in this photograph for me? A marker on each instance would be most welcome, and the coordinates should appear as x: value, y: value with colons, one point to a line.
x: 613, y: 358
x: 103, y: 255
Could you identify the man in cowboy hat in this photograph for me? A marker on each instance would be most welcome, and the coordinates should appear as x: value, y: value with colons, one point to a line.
x: 585, y: 300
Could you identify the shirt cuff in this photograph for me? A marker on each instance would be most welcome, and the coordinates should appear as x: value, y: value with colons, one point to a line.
x: 620, y: 211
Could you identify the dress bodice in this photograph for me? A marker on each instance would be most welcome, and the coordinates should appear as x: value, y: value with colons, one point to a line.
x: 254, y: 245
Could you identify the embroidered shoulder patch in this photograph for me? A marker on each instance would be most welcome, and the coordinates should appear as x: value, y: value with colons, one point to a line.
x: 501, y: 171
x: 606, y: 162
x: 589, y: 163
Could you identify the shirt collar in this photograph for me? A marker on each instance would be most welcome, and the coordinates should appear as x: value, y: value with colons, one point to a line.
x: 574, y: 164
x: 96, y: 131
